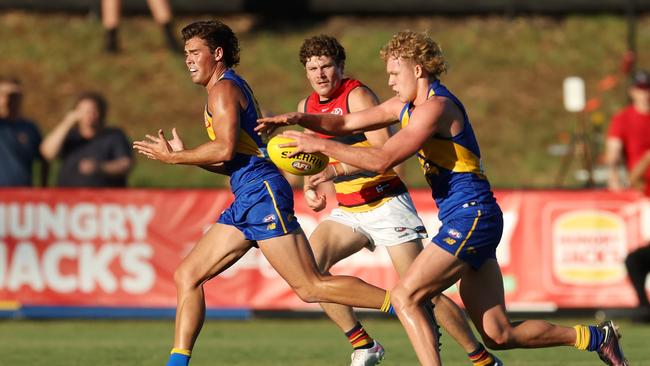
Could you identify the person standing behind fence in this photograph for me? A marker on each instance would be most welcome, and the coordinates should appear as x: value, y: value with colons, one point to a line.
x: 161, y: 12
x: 628, y: 139
x: 92, y: 155
x: 19, y: 139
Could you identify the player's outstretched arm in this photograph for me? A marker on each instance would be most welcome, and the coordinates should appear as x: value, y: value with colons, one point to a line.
x: 423, y: 123
x: 367, y: 120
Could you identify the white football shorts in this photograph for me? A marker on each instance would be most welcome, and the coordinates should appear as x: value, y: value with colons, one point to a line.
x: 395, y: 222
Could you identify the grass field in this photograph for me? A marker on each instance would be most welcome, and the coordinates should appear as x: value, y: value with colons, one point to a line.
x: 508, y: 71
x: 256, y: 342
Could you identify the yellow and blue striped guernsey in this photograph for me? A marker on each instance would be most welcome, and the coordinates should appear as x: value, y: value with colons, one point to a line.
x: 249, y: 163
x: 452, y: 166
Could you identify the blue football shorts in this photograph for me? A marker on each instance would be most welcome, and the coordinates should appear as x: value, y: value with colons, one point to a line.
x: 472, y: 235
x: 262, y: 209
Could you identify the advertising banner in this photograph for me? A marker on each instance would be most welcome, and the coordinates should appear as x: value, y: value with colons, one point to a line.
x: 120, y: 248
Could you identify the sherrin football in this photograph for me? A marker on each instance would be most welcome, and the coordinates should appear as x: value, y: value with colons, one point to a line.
x: 301, y: 164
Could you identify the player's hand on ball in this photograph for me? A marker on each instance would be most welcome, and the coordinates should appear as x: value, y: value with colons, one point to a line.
x: 303, y: 142
x: 282, y: 153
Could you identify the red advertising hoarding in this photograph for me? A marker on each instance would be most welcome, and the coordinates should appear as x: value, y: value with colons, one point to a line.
x: 119, y: 248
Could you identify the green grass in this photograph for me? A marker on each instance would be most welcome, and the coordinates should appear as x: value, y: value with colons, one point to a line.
x: 508, y: 72
x: 257, y: 342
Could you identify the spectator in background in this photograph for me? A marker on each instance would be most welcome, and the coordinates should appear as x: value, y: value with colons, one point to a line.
x: 92, y: 155
x: 162, y: 14
x: 628, y: 138
x: 19, y: 139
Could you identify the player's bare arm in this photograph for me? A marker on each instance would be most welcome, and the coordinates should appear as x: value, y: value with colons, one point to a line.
x: 370, y: 119
x: 223, y: 103
x: 424, y: 122
x: 360, y: 99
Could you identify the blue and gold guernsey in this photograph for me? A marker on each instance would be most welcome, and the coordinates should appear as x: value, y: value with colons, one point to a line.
x: 249, y: 163
x: 263, y: 205
x: 472, y: 221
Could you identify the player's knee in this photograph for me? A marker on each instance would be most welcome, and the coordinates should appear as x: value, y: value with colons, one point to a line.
x: 183, y: 278
x: 402, y: 298
x: 308, y: 292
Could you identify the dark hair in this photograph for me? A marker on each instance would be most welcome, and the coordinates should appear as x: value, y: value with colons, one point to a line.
x: 215, y: 34
x: 322, y: 45
x: 98, y: 99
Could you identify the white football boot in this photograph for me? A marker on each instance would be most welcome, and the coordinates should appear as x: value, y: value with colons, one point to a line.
x: 368, y: 356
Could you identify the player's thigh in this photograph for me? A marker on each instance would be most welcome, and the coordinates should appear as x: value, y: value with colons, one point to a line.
x: 291, y: 256
x: 332, y: 241
x: 216, y: 251
x: 404, y: 254
x: 433, y: 271
x: 482, y: 293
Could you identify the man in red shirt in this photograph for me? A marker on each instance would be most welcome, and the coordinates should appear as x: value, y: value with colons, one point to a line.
x: 629, y: 138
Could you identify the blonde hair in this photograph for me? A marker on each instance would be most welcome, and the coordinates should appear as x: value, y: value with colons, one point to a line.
x: 418, y: 47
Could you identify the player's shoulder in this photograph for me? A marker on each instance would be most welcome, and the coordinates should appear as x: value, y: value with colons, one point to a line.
x: 432, y: 109
x: 361, y: 97
x: 302, y: 105
x: 362, y: 90
x: 225, y: 89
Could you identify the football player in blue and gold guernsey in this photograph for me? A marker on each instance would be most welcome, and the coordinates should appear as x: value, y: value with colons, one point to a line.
x: 262, y: 212
x: 437, y: 130
x: 374, y: 210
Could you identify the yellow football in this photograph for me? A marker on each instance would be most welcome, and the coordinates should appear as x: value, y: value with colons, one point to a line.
x: 301, y: 164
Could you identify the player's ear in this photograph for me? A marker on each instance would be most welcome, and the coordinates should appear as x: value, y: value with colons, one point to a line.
x: 418, y: 71
x: 218, y: 54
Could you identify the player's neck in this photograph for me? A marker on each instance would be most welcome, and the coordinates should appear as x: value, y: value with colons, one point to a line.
x: 218, y: 73
x: 422, y: 90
